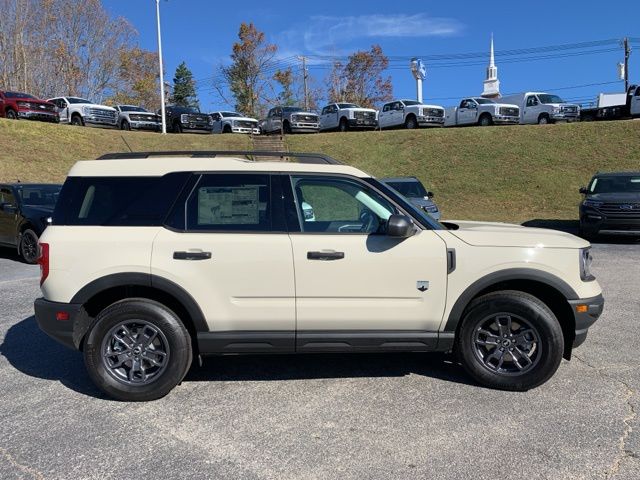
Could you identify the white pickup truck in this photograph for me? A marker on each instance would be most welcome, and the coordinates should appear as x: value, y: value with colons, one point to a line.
x: 347, y: 116
x: 234, y: 122
x: 81, y: 112
x: 410, y: 114
x: 481, y: 111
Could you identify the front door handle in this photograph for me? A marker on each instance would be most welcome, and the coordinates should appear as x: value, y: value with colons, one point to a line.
x: 325, y: 255
x: 191, y: 255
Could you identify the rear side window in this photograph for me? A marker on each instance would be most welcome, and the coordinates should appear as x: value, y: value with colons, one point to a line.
x: 118, y: 201
x: 230, y: 202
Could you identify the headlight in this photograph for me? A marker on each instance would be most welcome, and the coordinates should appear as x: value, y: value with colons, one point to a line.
x: 592, y: 203
x: 352, y: 114
x: 585, y: 265
x: 557, y: 109
x: 85, y: 110
x: 183, y: 118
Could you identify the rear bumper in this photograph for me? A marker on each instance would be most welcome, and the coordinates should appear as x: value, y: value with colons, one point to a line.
x: 66, y: 332
x: 584, y: 320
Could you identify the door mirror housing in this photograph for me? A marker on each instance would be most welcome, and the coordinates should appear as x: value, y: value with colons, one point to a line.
x: 583, y: 190
x: 400, y: 226
x: 430, y: 195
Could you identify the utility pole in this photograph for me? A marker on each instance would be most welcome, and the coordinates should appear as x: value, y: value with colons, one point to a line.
x: 164, y: 119
x: 305, y: 75
x: 627, y: 52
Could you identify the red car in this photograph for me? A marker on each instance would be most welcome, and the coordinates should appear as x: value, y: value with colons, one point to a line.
x: 17, y: 105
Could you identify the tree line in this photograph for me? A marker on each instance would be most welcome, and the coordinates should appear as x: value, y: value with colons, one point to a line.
x: 67, y: 47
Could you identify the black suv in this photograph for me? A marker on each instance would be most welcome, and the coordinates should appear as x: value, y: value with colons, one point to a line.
x: 187, y: 119
x: 24, y: 209
x: 611, y: 205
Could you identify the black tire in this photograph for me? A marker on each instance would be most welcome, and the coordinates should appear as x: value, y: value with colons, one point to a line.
x: 171, y: 337
x: 411, y: 123
x: 587, y: 235
x: 77, y: 121
x: 286, y: 127
x: 11, y: 114
x: 485, y: 120
x: 344, y: 125
x: 125, y: 125
x: 177, y: 128
x: 226, y: 129
x: 543, y: 345
x: 544, y: 119
x: 29, y: 246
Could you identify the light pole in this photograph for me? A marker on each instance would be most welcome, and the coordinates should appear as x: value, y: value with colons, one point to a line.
x: 164, y: 120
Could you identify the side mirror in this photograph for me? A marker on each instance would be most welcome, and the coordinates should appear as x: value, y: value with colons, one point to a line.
x: 583, y: 190
x: 400, y: 226
x: 430, y: 195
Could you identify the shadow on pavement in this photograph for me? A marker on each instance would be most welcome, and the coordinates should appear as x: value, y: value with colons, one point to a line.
x: 33, y: 353
x: 571, y: 226
x: 10, y: 253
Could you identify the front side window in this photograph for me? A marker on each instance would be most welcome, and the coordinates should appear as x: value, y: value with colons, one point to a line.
x: 39, y: 195
x: 337, y: 205
x: 230, y: 202
x: 6, y: 197
x: 531, y: 101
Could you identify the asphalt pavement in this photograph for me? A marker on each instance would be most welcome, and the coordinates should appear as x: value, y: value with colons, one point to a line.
x: 388, y: 416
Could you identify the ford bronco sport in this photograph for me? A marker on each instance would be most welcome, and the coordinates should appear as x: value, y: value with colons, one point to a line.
x: 153, y: 259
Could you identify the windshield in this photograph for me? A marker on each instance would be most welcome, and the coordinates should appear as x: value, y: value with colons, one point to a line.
x: 347, y: 105
x: 131, y: 108
x: 615, y: 184
x: 188, y: 110
x: 39, y: 195
x: 18, y: 95
x: 292, y: 109
x: 77, y: 100
x: 546, y: 98
x: 409, y: 189
x: 231, y: 114
x: 410, y: 102
x: 483, y: 101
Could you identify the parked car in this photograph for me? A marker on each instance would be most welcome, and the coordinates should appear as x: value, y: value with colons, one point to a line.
x: 291, y: 120
x: 347, y: 116
x: 187, y: 119
x: 482, y: 111
x: 18, y: 105
x: 410, y: 114
x: 543, y: 108
x: 611, y: 205
x: 614, y: 106
x: 24, y: 210
x: 413, y: 190
x: 204, y: 265
x: 80, y: 112
x: 234, y: 122
x: 132, y: 117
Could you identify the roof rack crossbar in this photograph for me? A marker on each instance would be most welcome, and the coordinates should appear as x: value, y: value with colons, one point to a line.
x: 313, y: 158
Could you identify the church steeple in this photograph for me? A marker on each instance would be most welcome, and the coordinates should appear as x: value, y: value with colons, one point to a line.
x: 491, y: 83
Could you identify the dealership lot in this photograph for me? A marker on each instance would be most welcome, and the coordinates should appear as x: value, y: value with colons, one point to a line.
x: 330, y: 416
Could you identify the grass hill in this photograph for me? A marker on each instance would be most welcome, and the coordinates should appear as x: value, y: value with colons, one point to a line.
x: 516, y: 173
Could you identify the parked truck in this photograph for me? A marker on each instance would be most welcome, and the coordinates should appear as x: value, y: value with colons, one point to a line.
x: 18, y: 105
x: 481, y: 111
x: 410, y: 114
x: 347, y: 116
x: 543, y: 108
x: 81, y: 112
x: 613, y: 106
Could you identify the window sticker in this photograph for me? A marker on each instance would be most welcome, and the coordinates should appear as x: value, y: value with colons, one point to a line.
x: 228, y: 205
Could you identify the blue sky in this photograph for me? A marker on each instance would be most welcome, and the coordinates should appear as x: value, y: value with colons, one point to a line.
x: 201, y: 33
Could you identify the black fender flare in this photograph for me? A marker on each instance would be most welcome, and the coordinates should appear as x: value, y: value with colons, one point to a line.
x: 144, y: 280
x: 510, y: 274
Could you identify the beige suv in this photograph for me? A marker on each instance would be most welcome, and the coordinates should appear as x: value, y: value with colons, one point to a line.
x: 154, y: 258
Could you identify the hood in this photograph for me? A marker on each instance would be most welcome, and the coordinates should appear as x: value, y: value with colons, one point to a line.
x: 507, y: 105
x: 94, y: 105
x: 421, y: 201
x: 615, y: 197
x: 359, y: 109
x: 32, y: 100
x: 304, y: 113
x: 242, y: 119
x: 493, y: 234
x: 423, y: 105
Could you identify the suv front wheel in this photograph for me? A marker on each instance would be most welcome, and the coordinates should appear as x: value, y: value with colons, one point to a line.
x: 137, y: 350
x: 510, y: 340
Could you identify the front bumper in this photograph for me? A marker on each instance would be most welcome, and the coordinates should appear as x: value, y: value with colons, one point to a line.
x: 156, y: 127
x: 39, y: 115
x: 362, y: 123
x: 255, y: 131
x: 68, y: 332
x: 100, y: 121
x: 593, y: 222
x: 565, y: 117
x: 506, y: 120
x: 299, y: 127
x: 196, y: 128
x: 586, y: 318
x: 426, y: 121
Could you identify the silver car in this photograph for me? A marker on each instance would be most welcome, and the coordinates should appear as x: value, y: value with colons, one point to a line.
x: 413, y: 190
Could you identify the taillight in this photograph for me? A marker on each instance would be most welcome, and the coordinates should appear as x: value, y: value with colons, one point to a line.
x: 43, y: 261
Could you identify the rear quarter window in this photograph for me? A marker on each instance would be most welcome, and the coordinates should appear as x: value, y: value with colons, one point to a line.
x: 118, y: 201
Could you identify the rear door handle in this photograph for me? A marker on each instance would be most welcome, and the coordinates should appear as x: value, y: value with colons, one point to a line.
x: 191, y: 255
x: 325, y: 255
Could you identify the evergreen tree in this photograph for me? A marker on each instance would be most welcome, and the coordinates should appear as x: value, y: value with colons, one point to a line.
x: 184, y: 88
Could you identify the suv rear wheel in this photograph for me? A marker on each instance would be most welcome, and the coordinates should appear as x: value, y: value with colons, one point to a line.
x: 510, y: 340
x: 137, y: 350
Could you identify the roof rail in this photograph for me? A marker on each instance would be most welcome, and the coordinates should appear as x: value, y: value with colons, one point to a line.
x: 315, y: 158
